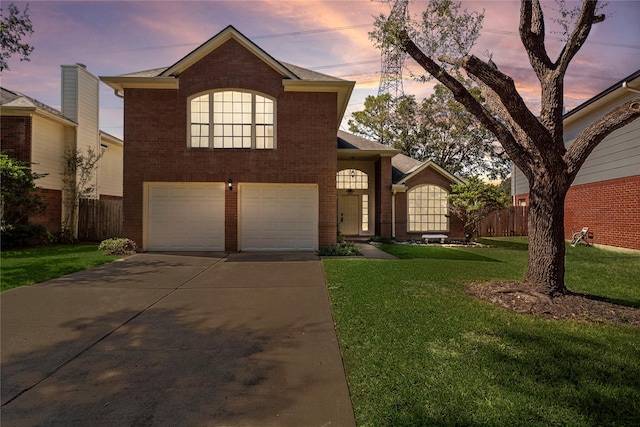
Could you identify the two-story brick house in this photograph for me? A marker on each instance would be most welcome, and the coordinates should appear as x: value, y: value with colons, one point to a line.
x: 230, y: 149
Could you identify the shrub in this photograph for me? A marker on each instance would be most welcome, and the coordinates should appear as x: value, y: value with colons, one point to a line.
x: 118, y: 246
x: 23, y: 235
x: 385, y: 240
x: 341, y: 249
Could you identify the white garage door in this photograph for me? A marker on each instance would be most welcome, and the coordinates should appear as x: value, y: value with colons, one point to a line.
x: 185, y: 217
x: 278, y: 217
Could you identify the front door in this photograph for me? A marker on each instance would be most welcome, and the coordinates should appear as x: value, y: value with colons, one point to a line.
x: 348, y: 219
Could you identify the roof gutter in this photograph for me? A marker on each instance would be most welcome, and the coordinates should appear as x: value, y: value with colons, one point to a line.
x: 626, y: 86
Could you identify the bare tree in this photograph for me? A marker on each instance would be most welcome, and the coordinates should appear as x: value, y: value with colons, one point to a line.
x: 78, y: 183
x: 440, y: 43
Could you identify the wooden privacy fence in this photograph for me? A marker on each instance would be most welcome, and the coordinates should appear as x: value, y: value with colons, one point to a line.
x: 511, y: 221
x: 99, y: 219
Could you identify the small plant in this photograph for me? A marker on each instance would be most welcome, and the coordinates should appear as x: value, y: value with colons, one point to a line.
x: 118, y: 246
x: 341, y: 249
x: 385, y: 240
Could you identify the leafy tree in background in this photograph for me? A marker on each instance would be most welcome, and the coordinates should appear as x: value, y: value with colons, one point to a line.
x: 440, y: 42
x: 438, y: 129
x: 18, y: 197
x: 505, y: 185
x: 13, y: 27
x: 374, y: 121
x: 473, y: 201
x: 453, y: 138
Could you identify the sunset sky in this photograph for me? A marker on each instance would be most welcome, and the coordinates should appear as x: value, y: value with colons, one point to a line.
x: 117, y: 37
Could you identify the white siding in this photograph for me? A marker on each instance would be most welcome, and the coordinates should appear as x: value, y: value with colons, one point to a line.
x: 48, y: 148
x: 80, y: 103
x: 110, y: 171
x: 617, y: 156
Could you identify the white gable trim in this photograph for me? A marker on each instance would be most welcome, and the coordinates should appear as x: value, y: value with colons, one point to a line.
x: 437, y: 168
x: 35, y: 111
x: 229, y: 33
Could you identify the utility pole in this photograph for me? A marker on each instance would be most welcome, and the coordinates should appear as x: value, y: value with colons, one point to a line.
x: 393, y: 59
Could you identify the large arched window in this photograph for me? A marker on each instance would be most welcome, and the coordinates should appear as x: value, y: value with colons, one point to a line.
x: 232, y: 119
x: 352, y: 179
x: 428, y: 208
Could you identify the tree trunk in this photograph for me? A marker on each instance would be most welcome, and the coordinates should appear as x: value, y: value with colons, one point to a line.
x: 545, y: 270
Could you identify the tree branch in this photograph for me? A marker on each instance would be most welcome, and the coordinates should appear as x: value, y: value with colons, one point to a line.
x: 589, y: 138
x: 462, y: 95
x: 579, y: 35
x: 532, y: 36
x: 504, y: 87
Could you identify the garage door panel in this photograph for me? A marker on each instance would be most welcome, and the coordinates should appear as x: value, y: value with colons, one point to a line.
x: 279, y: 217
x: 184, y: 217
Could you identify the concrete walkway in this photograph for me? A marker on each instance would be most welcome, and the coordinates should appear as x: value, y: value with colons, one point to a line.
x: 371, y: 252
x: 175, y: 339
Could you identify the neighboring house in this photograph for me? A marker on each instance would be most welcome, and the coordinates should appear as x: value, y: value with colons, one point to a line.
x: 605, y: 195
x: 230, y: 149
x: 41, y: 135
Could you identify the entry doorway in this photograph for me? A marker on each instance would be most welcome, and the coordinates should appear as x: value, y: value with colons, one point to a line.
x: 349, y: 214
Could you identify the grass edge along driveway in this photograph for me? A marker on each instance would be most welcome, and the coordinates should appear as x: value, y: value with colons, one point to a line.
x: 419, y: 351
x: 23, y: 267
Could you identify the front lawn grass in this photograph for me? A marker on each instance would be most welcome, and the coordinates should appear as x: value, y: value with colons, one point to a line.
x: 419, y: 351
x: 22, y: 267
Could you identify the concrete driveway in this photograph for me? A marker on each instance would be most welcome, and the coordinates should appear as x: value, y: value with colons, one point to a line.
x: 175, y: 339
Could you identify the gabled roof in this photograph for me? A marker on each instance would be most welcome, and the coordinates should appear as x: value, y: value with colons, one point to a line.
x: 429, y: 164
x: 402, y: 165
x: 294, y: 78
x: 229, y: 33
x: 12, y: 101
x: 348, y: 141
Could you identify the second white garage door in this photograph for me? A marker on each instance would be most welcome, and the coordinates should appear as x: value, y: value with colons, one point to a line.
x: 278, y: 217
x: 185, y: 217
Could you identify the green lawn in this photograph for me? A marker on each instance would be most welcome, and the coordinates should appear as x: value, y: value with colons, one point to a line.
x: 34, y: 265
x: 418, y: 351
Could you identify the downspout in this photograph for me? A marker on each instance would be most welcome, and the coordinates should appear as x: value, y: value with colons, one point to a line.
x: 395, y: 188
x: 117, y: 93
x: 393, y: 213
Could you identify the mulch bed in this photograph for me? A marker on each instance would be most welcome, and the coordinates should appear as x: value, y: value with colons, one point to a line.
x: 519, y: 298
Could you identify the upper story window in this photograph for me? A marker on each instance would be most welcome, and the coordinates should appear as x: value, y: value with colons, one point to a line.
x: 232, y: 119
x: 428, y: 208
x: 352, y: 179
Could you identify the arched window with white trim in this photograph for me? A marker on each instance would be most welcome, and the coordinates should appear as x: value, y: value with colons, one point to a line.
x: 231, y: 119
x: 352, y: 179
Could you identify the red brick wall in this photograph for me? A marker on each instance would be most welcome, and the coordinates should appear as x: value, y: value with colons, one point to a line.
x: 611, y: 210
x: 231, y: 219
x: 51, y: 218
x: 383, y: 197
x: 427, y: 176
x: 156, y: 140
x: 16, y: 137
